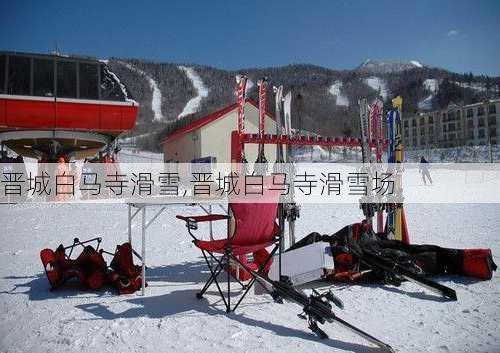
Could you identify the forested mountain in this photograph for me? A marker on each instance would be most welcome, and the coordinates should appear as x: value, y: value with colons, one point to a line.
x: 324, y: 100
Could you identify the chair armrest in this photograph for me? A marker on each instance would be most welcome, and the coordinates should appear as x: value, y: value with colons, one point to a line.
x: 204, y: 218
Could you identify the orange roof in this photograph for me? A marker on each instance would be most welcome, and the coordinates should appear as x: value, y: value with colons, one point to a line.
x: 198, y: 123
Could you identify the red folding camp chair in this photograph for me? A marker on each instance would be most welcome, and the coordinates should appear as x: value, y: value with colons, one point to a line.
x: 251, y: 228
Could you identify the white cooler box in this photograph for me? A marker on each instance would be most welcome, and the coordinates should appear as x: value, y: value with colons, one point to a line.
x: 305, y: 264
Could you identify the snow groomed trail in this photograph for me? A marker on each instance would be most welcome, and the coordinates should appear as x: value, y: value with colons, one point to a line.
x: 170, y: 319
x: 378, y: 85
x: 156, y: 99
x: 193, y: 105
x: 342, y: 100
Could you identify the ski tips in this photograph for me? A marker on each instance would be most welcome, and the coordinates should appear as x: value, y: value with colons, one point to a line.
x: 450, y: 294
x: 389, y: 349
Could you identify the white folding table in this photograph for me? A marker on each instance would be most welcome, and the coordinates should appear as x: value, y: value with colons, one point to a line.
x: 158, y: 205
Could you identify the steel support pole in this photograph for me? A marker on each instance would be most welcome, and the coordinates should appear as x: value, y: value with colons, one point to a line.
x: 143, y: 253
x: 130, y: 224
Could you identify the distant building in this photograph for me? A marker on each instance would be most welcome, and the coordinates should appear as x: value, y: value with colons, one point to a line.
x: 210, y: 136
x: 469, y: 125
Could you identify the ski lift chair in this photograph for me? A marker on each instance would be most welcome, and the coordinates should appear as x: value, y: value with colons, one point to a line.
x: 251, y: 228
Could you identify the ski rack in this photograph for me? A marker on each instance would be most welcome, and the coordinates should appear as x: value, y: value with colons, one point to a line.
x: 299, y: 140
x: 238, y: 141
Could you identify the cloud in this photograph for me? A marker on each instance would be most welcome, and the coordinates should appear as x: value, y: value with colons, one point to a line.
x: 452, y: 33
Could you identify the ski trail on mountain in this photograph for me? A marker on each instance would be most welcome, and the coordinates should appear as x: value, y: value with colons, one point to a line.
x: 193, y: 105
x: 378, y: 85
x: 156, y: 100
x: 342, y: 100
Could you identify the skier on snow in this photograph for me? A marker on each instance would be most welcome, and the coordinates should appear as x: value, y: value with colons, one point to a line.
x: 424, y: 169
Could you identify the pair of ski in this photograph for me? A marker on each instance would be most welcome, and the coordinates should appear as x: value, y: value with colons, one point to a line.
x: 317, y: 308
x: 375, y: 261
x: 287, y: 210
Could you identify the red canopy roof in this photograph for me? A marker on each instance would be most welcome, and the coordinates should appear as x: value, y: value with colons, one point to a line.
x: 198, y: 123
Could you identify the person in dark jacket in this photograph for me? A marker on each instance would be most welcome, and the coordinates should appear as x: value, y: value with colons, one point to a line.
x: 424, y: 169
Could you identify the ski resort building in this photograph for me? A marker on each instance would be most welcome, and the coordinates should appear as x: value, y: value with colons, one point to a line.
x: 469, y: 125
x: 210, y: 136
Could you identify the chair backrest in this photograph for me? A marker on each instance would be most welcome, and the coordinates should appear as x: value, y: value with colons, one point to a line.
x: 255, y: 222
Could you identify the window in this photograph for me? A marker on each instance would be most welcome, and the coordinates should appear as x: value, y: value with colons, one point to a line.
x: 480, y: 133
x: 431, y: 120
x: 492, y: 108
x: 471, y: 134
x: 445, y: 128
x: 422, y: 120
x: 480, y: 122
x: 406, y: 123
x: 66, y: 79
x: 470, y: 123
x: 493, y: 132
x: 451, y: 127
x: 19, y: 75
x: 43, y: 77
x: 469, y: 113
x: 431, y: 130
x: 88, y: 81
x: 480, y: 111
x: 492, y: 121
x: 414, y: 122
x: 3, y: 62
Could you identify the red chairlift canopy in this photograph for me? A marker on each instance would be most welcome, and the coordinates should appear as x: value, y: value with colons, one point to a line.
x: 77, y: 102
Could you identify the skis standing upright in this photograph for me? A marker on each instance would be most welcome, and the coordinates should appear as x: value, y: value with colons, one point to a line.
x: 391, y: 118
x: 376, y: 111
x: 400, y: 233
x: 278, y: 91
x: 365, y: 130
x: 278, y: 165
x: 366, y: 204
x: 261, y: 162
x: 241, y: 82
x: 291, y: 209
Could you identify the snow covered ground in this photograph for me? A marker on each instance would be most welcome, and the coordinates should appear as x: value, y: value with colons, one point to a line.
x: 342, y: 100
x: 378, y: 85
x: 156, y: 99
x: 193, y: 105
x: 170, y: 318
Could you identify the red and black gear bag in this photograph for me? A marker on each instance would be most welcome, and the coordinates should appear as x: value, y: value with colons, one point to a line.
x: 124, y: 275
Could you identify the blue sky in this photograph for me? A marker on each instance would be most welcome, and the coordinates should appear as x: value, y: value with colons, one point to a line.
x: 461, y: 36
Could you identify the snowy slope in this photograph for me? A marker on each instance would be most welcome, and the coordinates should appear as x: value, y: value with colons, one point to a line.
x: 475, y: 86
x: 193, y: 105
x: 156, y: 100
x: 342, y: 100
x: 250, y: 85
x: 388, y: 66
x: 378, y: 85
x: 426, y: 103
x: 431, y: 84
x: 170, y: 319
